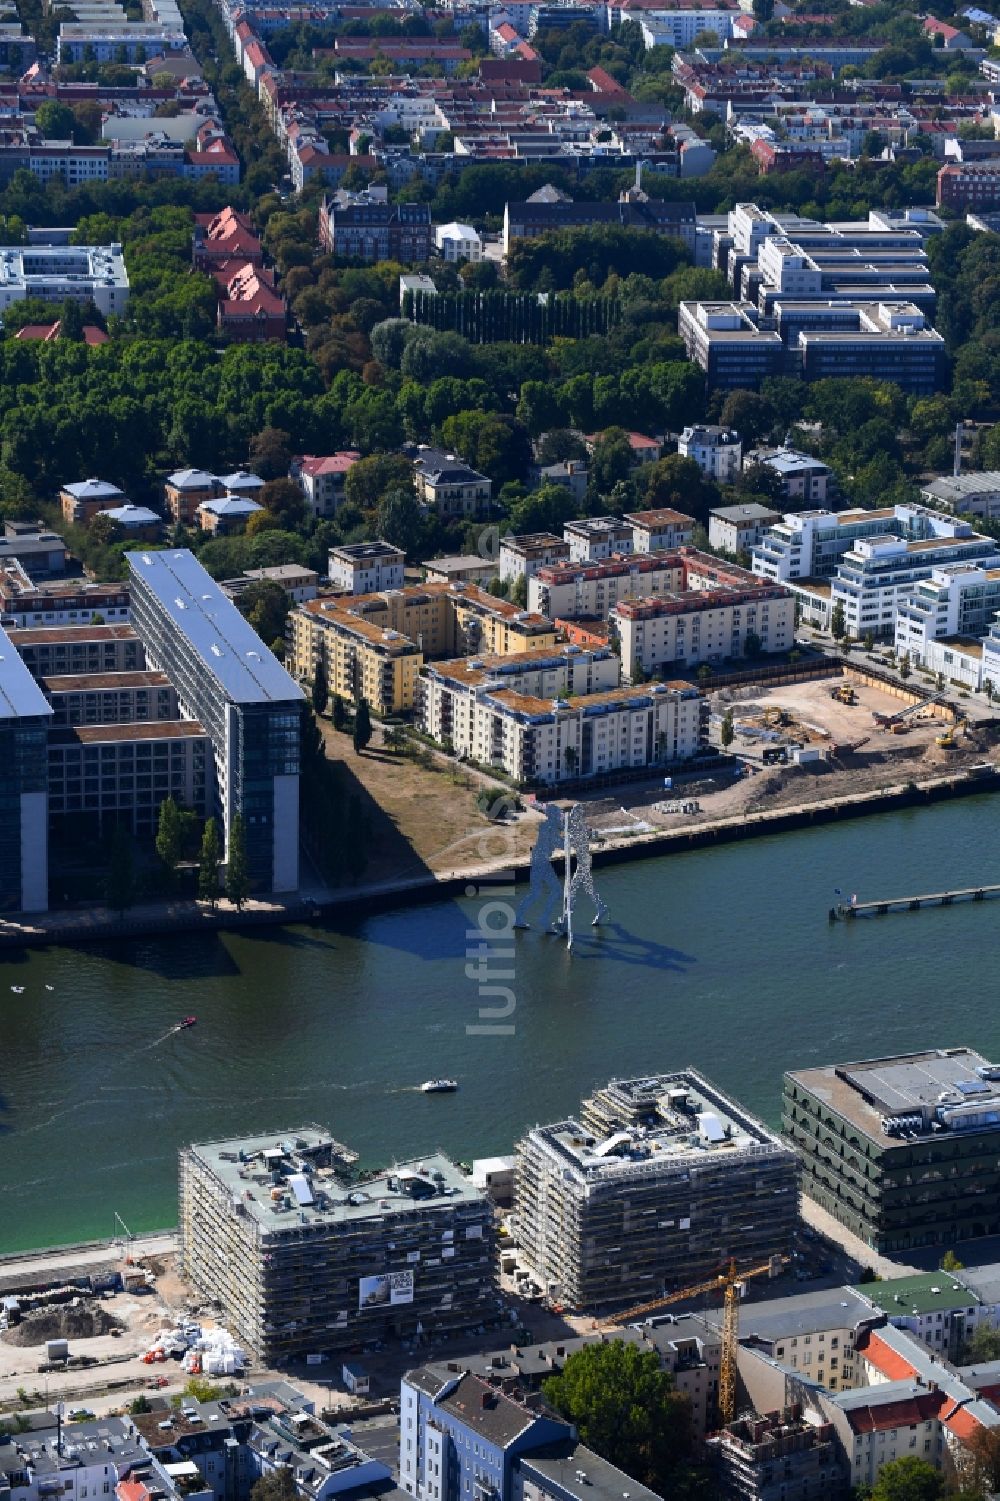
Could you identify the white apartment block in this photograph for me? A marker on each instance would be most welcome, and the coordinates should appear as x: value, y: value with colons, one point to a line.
x: 678, y: 28
x: 660, y: 529
x: 106, y: 42
x: 718, y: 451
x: 878, y: 571
x: 575, y: 591
x: 84, y: 273
x: 366, y: 567
x: 940, y: 623
x: 496, y: 719
x: 596, y: 538
x: 521, y: 557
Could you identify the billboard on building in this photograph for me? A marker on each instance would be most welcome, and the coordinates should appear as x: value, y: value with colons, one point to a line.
x: 385, y: 1290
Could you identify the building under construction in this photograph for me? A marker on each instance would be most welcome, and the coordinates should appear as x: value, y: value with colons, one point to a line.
x: 781, y: 1456
x: 306, y: 1258
x: 660, y: 1183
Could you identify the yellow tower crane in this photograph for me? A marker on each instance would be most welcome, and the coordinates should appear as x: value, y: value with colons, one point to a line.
x: 729, y: 1284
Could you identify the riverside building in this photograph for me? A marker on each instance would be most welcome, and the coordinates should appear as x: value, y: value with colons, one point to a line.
x: 25, y: 716
x: 903, y: 1150
x: 659, y: 1182
x: 227, y: 679
x: 305, y: 1259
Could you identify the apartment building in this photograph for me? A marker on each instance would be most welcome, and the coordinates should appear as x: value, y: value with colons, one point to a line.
x: 134, y: 523
x: 581, y: 591
x: 900, y: 1150
x: 969, y: 186
x: 228, y: 516
x: 120, y: 773
x: 458, y: 242
x: 51, y: 602
x: 940, y: 623
x: 400, y: 1253
x: 718, y: 451
x: 25, y: 716
x: 710, y: 614
x: 229, y: 681
x: 736, y: 529
x: 367, y: 227
x: 877, y: 572
x: 374, y: 645
x: 814, y: 1335
x: 106, y: 42
x: 497, y: 718
x: 71, y: 650
x: 666, y: 1165
x: 522, y: 556
x: 596, y: 538
x: 55, y: 273
x: 750, y: 1454
x: 366, y: 567
x: 659, y: 530
x: 802, y: 477
x: 450, y: 485
x: 80, y: 502
x: 543, y: 215
x: 322, y: 479
x: 185, y: 490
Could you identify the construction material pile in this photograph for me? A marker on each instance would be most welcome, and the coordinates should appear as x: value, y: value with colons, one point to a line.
x: 209, y: 1352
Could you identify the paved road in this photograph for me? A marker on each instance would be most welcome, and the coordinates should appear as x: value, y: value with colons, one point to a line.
x: 95, y: 1255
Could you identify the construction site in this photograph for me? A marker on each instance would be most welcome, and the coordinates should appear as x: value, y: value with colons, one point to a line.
x: 802, y: 742
x: 668, y: 1166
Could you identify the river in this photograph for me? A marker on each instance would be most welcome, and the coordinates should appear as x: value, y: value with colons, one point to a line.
x: 722, y: 958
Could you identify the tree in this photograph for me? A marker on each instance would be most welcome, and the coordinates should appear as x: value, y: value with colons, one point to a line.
x: 983, y: 1445
x: 338, y: 714
x: 904, y: 666
x: 369, y: 479
x: 726, y: 732
x: 983, y: 1345
x: 571, y: 757
x: 908, y: 1479
x: 750, y: 413
x: 869, y: 641
x: 362, y: 725
x: 838, y: 623
x: 265, y: 605
x: 55, y: 121
x: 625, y: 1407
x: 752, y: 644
x: 168, y: 834
x: 208, y: 864
x: 120, y: 883
x: 237, y: 876
x: 270, y: 453
x: 276, y: 1485
x: 399, y: 520
x: 283, y: 499
x: 518, y: 592
x: 320, y: 688
x: 950, y: 1262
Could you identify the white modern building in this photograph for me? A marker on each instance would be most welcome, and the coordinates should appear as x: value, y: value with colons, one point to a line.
x: 718, y: 451
x: 55, y: 273
x: 458, y: 242
x: 366, y: 567
x: 940, y: 623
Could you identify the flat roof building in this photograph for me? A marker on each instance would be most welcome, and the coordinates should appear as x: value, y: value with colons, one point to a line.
x: 55, y: 273
x: 228, y: 680
x: 667, y: 1165
x: 305, y: 1258
x: 366, y: 567
x: 25, y: 716
x: 919, y: 1138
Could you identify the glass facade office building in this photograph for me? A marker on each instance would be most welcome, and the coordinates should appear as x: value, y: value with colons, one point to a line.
x: 25, y: 715
x: 227, y: 679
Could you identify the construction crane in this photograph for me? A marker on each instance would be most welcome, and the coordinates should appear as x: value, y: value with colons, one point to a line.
x: 729, y: 1284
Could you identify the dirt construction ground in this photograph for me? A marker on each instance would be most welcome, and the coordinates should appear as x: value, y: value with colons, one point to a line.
x: 859, y: 756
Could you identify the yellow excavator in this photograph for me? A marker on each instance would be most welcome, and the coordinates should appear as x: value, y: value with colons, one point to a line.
x: 947, y: 740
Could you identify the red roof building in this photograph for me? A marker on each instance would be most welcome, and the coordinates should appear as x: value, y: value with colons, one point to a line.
x: 252, y: 310
x: 222, y: 237
x: 50, y: 332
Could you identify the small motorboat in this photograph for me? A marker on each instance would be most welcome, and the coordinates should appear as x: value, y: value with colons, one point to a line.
x: 187, y: 1021
x: 439, y: 1086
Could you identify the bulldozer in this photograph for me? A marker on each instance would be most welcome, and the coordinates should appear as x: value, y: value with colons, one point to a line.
x: 844, y: 694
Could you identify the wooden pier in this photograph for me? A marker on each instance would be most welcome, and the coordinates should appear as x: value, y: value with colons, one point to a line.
x: 847, y: 911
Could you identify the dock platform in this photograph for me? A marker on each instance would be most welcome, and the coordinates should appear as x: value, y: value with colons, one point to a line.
x: 847, y: 911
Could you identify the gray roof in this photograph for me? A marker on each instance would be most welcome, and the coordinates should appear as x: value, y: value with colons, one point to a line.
x: 984, y: 1281
x: 191, y: 479
x: 975, y: 482
x: 93, y: 489
x: 808, y: 1313
x: 231, y: 505
x: 227, y: 645
x: 559, y: 1466
x: 485, y: 1411
x: 751, y: 511
x: 129, y: 515
x: 20, y: 695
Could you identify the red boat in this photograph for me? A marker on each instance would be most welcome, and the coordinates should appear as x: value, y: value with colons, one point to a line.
x: 188, y: 1021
